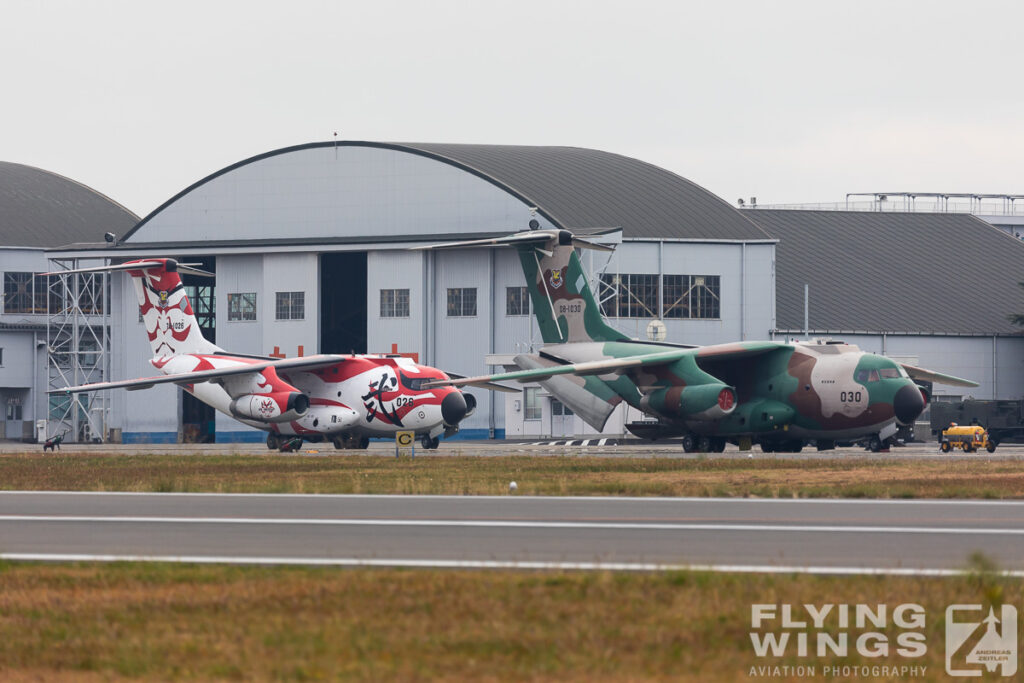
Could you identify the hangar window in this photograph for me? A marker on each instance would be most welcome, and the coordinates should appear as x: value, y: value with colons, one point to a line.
x: 629, y: 295
x: 241, y: 306
x: 531, y: 403
x: 18, y: 293
x: 291, y: 305
x: 1, y: 357
x: 692, y: 296
x: 517, y: 301
x: 394, y: 303
x: 461, y: 302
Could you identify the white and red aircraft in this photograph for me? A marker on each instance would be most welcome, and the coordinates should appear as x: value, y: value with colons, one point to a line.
x: 346, y: 399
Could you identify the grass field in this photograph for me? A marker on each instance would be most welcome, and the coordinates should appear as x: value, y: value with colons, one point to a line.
x: 164, y: 622
x: 535, y: 475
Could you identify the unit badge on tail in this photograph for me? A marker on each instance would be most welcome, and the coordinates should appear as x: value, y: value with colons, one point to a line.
x: 556, y: 278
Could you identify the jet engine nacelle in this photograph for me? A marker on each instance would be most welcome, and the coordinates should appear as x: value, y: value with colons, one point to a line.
x: 695, y: 402
x: 281, y: 406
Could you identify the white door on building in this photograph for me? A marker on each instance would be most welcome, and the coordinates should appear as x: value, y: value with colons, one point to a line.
x: 561, y: 419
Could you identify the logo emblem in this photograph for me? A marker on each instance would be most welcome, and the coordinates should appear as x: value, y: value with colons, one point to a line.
x: 556, y: 279
x: 975, y: 642
x: 163, y: 298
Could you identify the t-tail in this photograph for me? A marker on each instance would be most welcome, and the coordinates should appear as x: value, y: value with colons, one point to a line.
x: 563, y: 302
x: 171, y: 325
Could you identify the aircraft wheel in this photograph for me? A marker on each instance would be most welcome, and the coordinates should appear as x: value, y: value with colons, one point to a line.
x: 689, y: 443
x: 339, y: 442
x: 945, y: 447
x: 430, y: 443
x: 704, y: 445
x: 990, y: 447
x: 272, y: 441
x: 767, y: 447
x: 795, y: 446
x: 364, y: 443
x: 718, y: 445
x: 874, y: 444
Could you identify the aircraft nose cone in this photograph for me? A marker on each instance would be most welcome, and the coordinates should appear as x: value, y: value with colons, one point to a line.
x: 453, y: 408
x: 908, y: 404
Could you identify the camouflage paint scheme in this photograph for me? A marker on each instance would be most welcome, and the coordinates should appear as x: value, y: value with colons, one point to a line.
x: 778, y: 394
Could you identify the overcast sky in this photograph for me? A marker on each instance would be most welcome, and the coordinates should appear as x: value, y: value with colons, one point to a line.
x: 786, y: 101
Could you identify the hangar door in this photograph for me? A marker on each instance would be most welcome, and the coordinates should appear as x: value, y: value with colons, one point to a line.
x: 198, y: 418
x: 343, y: 302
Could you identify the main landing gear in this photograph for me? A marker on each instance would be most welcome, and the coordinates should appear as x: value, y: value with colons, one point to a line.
x: 351, y: 442
x: 703, y: 444
x: 787, y: 446
x: 430, y: 442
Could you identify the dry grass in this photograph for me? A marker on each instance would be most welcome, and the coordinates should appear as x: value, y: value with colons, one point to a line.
x: 535, y: 475
x: 162, y: 622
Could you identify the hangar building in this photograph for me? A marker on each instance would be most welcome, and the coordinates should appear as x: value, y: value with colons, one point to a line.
x: 40, y: 210
x: 309, y: 246
x: 309, y: 249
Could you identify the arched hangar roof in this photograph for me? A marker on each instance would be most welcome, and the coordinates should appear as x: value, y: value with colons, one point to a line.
x: 571, y: 187
x: 43, y: 209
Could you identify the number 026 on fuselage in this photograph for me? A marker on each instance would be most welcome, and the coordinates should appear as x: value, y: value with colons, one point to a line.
x: 346, y: 399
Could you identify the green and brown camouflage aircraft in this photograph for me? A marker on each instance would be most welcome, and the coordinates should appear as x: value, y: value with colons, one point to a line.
x: 777, y: 394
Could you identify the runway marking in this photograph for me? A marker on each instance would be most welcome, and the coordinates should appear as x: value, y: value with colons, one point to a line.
x: 518, y: 524
x: 603, y: 500
x: 496, y: 564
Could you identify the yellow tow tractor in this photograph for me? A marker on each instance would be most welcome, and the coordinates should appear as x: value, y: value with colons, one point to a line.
x: 968, y: 438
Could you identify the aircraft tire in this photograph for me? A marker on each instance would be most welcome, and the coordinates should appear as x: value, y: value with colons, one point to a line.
x: 704, y: 445
x: 874, y: 444
x: 767, y: 447
x: 339, y: 442
x: 718, y: 445
x: 689, y: 443
x: 272, y: 442
x: 430, y: 443
x: 364, y: 443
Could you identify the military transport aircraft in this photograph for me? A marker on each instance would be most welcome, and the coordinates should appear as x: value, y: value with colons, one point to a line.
x: 772, y: 393
x: 345, y: 399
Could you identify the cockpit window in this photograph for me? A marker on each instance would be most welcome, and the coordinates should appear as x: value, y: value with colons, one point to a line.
x: 864, y: 376
x: 889, y: 373
x: 415, y: 383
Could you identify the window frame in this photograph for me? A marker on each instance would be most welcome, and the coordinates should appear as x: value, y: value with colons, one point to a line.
x: 288, y: 299
x: 236, y: 314
x: 533, y: 411
x: 459, y: 308
x: 390, y: 300
x: 520, y: 296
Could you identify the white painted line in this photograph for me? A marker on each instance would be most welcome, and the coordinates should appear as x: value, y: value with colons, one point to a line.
x: 603, y: 500
x: 515, y: 524
x: 494, y: 564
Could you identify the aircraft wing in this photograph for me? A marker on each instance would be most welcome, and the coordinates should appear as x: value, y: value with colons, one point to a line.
x: 493, y: 386
x: 597, y: 367
x: 607, y: 366
x: 937, y: 377
x: 283, y: 364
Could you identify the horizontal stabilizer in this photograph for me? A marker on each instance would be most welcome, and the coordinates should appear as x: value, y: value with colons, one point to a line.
x: 170, y: 265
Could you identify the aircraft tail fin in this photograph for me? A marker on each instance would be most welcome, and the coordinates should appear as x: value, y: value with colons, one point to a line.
x: 171, y: 324
x: 563, y: 302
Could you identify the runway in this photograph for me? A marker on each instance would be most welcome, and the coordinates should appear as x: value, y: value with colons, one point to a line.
x: 818, y: 536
